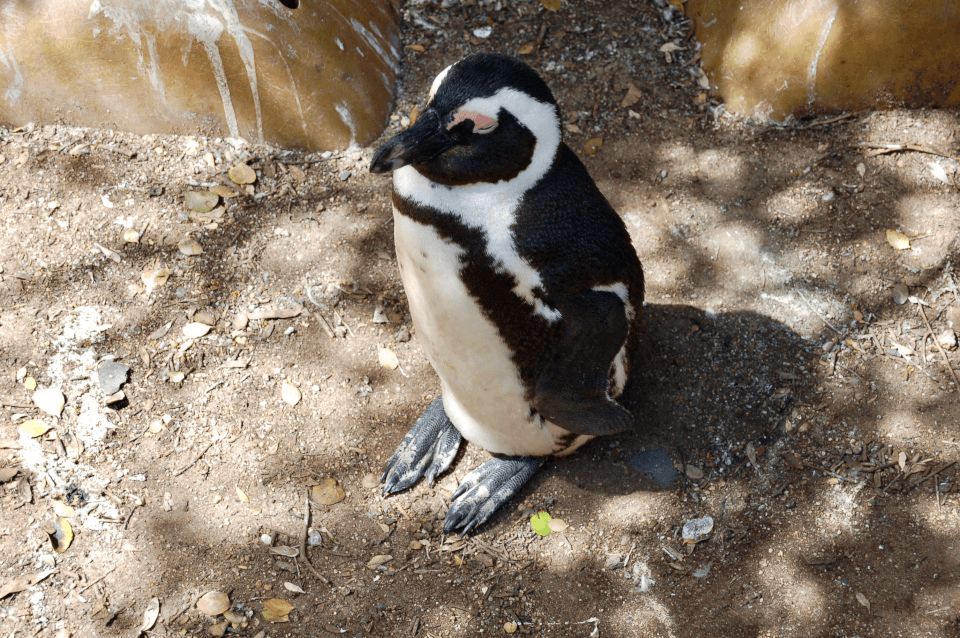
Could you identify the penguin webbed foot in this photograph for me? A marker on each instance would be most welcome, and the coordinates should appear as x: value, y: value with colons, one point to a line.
x: 426, y: 451
x: 486, y: 488
x: 572, y: 391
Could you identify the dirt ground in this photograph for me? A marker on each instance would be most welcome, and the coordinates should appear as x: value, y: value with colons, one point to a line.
x: 815, y: 415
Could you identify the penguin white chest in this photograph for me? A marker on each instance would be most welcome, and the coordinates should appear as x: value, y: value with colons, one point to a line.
x: 482, y: 392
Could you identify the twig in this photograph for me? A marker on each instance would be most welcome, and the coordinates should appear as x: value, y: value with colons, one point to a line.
x: 92, y: 583
x: 827, y: 121
x: 946, y: 360
x: 883, y: 149
x: 303, y: 542
x: 194, y: 462
x: 129, y: 516
x: 18, y: 405
x: 822, y: 318
x: 930, y: 476
x: 543, y: 33
x: 338, y: 317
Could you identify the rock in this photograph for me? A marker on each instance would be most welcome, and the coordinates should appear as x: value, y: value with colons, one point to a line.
x: 900, y: 294
x: 112, y: 375
x: 656, y: 466
x: 948, y: 339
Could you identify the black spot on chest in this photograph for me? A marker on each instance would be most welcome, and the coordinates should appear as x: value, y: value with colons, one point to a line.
x: 528, y: 335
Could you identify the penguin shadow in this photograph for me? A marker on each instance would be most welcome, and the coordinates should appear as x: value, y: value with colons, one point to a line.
x: 702, y: 386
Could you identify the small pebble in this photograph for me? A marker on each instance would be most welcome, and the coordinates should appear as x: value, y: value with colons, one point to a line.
x: 345, y: 175
x: 900, y: 294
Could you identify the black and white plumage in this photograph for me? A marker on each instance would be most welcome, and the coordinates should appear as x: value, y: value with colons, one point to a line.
x: 523, y: 285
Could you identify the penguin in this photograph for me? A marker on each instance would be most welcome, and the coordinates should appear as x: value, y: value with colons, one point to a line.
x: 524, y: 288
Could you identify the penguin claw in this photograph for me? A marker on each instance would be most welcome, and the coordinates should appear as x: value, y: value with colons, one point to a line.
x: 426, y: 451
x: 486, y: 488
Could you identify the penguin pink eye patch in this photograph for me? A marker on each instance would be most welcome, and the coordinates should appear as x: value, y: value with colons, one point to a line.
x: 481, y: 122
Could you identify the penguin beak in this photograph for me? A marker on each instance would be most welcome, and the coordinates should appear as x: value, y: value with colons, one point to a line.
x: 427, y: 139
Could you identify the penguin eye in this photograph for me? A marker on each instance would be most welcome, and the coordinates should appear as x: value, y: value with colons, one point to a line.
x: 483, y: 130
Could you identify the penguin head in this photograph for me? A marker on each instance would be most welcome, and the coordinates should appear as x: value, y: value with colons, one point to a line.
x: 489, y: 118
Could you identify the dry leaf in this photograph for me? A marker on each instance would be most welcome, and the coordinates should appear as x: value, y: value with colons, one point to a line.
x: 593, y: 145
x: 388, y: 359
x: 572, y: 128
x: 525, y: 49
x: 551, y: 5
x: 241, y: 495
x: 557, y: 525
x: 898, y: 240
x: 22, y: 583
x: 223, y: 191
x: 902, y: 458
x: 380, y: 559
x: 50, y: 400
x: 290, y: 393
x: 110, y: 254
x: 151, y: 614
x: 370, y: 481
x: 195, y: 330
x: 285, y: 550
x: 60, y: 533
x: 752, y: 454
x: 276, y: 610
x: 510, y: 627
x: 632, y: 97
x: 34, y: 428
x: 419, y: 48
x: 154, y: 274
x: 201, y: 201
x: 190, y: 246
x: 863, y: 600
x: 243, y: 174
x: 939, y: 173
x: 213, y: 603
x: 8, y: 473
x: 62, y: 509
x: 328, y: 492
x: 293, y: 588
x: 669, y: 49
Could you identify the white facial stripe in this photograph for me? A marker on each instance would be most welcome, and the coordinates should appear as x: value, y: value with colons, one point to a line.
x: 437, y: 81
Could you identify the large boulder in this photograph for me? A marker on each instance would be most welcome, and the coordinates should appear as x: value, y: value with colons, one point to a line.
x: 316, y: 75
x: 776, y: 58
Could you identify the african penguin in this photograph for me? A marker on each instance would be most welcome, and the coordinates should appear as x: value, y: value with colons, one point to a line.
x: 524, y: 288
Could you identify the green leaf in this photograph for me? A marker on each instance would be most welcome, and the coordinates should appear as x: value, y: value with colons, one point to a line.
x: 541, y: 523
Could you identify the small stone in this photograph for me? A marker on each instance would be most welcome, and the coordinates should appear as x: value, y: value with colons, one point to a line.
x: 345, y: 175
x: 900, y: 294
x: 948, y: 339
x: 116, y: 397
x: 695, y: 530
x: 112, y: 375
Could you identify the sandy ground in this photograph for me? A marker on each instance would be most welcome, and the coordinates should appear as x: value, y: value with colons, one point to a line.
x: 815, y: 415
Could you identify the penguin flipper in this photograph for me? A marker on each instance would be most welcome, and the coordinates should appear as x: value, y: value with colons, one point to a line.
x: 486, y: 488
x: 427, y: 450
x: 572, y: 391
